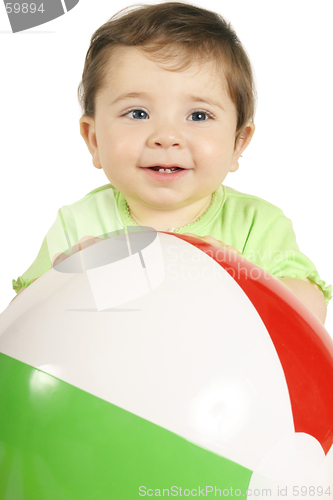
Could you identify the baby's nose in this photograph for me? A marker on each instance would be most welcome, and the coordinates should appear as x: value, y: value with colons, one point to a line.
x: 166, y: 135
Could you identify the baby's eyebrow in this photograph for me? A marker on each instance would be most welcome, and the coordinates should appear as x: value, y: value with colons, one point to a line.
x: 128, y: 95
x: 205, y: 100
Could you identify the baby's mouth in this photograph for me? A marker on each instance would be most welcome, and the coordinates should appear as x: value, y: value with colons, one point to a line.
x: 166, y: 173
x: 165, y: 170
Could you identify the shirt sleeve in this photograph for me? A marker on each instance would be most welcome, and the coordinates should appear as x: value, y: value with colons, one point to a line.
x: 277, y: 252
x: 96, y: 214
x: 60, y: 238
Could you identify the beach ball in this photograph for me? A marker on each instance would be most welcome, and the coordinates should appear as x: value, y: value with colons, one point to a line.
x: 154, y: 364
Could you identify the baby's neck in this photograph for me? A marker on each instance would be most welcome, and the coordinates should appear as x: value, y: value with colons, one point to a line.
x: 164, y: 220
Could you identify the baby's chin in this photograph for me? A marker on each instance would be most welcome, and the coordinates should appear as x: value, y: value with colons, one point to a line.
x: 169, y: 206
x: 162, y: 199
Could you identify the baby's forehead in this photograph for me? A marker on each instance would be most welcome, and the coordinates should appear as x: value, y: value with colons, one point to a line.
x: 170, y: 59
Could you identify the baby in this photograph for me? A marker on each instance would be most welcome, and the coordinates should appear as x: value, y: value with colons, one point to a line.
x: 168, y: 98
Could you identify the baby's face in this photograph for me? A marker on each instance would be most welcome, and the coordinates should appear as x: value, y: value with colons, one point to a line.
x: 147, y: 116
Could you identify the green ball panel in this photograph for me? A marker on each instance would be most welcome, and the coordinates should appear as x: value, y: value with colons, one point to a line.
x: 58, y: 442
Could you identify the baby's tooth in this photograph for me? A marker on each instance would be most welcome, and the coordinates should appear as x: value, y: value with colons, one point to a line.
x: 165, y: 170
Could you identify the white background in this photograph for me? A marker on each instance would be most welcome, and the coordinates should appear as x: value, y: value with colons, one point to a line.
x: 45, y: 163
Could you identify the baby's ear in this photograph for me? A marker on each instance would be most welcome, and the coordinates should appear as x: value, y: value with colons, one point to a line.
x: 88, y: 132
x: 242, y: 142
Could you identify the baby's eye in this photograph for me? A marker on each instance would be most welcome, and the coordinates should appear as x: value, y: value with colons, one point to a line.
x: 136, y: 114
x: 201, y: 116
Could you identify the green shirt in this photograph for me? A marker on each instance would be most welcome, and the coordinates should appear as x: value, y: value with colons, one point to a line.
x: 256, y: 228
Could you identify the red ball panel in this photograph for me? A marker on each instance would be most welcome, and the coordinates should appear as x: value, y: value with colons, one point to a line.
x: 303, y: 345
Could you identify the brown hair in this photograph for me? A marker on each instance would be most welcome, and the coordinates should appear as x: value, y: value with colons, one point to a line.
x: 171, y: 31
